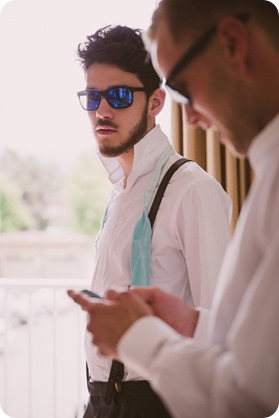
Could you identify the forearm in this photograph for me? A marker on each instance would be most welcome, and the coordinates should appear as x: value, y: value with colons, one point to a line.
x: 188, y: 376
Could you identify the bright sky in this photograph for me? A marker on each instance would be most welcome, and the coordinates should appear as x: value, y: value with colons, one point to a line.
x: 40, y: 74
x: 40, y: 113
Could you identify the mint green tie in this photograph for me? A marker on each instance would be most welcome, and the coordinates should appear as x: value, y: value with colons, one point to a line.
x: 141, y: 244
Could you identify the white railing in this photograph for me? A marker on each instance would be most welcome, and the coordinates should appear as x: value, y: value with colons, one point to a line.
x: 42, y: 364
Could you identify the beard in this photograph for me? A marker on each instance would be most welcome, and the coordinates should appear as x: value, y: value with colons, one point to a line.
x: 135, y: 135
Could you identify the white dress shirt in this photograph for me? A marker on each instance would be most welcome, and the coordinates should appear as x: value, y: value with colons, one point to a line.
x: 190, y: 233
x: 236, y: 372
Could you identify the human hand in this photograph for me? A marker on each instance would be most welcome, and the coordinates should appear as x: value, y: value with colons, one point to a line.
x: 170, y: 309
x: 109, y: 318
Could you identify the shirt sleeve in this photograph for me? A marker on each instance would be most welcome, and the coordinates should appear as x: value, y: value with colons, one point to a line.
x: 204, y: 233
x: 238, y: 379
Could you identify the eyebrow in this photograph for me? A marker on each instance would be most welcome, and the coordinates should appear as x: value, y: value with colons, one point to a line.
x: 189, y: 55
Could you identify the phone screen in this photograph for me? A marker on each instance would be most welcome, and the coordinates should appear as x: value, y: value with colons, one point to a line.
x: 91, y: 294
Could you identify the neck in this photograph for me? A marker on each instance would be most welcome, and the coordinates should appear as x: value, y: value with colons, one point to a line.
x: 126, y: 161
x: 127, y: 158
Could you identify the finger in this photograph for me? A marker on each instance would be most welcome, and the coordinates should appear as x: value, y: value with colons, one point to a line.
x: 81, y: 299
x: 112, y: 294
x: 145, y: 293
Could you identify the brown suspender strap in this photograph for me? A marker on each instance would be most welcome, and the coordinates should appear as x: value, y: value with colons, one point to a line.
x: 114, y: 382
x: 162, y: 187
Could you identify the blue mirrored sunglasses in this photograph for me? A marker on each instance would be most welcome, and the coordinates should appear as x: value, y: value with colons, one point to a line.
x: 118, y: 97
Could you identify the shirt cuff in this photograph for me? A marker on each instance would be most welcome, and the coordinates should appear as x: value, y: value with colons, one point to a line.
x: 142, y: 340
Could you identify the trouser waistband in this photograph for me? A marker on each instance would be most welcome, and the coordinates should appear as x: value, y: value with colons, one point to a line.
x: 135, y: 400
x: 130, y: 388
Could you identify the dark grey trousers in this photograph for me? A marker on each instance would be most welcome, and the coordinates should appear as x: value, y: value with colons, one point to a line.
x: 136, y: 400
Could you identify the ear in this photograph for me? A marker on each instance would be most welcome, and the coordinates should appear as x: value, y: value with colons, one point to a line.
x: 234, y: 38
x: 156, y: 102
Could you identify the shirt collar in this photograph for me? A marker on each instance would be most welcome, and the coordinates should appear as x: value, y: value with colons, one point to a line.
x: 264, y: 146
x: 146, y: 153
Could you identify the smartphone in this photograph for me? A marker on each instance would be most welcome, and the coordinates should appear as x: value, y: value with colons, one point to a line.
x: 91, y: 294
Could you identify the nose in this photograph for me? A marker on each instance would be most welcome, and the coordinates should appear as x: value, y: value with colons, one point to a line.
x: 104, y: 110
x: 195, y: 118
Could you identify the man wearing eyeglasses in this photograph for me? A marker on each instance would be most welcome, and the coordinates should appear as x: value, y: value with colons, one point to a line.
x: 183, y: 254
x: 221, y: 60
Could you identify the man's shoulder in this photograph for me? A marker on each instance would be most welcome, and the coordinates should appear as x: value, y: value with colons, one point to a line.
x: 192, y: 172
x: 192, y: 178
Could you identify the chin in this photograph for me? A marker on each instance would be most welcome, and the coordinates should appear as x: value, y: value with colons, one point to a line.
x: 235, y: 147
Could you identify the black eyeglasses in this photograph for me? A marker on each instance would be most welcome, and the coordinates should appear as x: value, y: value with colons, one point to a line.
x: 180, y: 95
x: 118, y: 97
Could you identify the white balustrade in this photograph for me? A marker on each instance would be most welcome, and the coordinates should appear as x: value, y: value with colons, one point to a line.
x: 42, y: 364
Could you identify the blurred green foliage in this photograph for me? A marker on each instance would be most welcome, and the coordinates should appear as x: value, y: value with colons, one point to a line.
x: 87, y: 190
x: 38, y: 196
x: 15, y: 214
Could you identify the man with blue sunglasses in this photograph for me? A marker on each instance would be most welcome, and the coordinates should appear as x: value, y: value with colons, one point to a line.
x: 183, y: 252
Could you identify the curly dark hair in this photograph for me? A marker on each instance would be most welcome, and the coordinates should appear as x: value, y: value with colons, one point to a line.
x: 123, y: 47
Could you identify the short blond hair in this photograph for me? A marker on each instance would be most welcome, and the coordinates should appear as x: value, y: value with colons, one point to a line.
x: 192, y: 17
